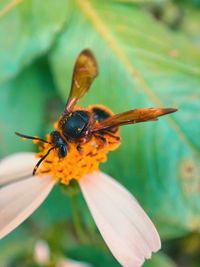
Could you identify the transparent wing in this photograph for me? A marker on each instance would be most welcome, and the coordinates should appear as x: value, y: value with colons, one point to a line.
x: 85, y: 71
x: 132, y: 116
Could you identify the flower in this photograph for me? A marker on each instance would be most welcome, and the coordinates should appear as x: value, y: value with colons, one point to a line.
x: 79, y: 143
x: 125, y: 227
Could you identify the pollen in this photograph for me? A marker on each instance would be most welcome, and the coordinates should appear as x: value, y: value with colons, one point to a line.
x: 77, y: 162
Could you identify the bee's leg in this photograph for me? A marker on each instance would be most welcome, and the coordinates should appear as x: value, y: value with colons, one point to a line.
x: 79, y: 148
x: 81, y: 142
x: 102, y: 139
x: 105, y: 132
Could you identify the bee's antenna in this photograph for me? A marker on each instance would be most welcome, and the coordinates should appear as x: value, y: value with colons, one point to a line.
x: 32, y: 137
x: 41, y: 160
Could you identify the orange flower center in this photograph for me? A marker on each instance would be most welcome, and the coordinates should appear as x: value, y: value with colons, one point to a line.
x: 77, y: 163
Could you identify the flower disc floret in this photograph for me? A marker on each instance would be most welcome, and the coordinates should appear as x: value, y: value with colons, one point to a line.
x: 77, y: 163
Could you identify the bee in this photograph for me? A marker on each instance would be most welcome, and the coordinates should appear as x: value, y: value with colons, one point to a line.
x: 79, y: 125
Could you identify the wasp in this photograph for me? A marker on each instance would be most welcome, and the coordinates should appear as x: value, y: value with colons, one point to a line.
x: 79, y: 125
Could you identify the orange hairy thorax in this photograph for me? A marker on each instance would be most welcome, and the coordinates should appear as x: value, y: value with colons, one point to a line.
x: 76, y: 163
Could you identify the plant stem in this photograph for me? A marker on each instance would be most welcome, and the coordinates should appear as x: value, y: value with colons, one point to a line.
x: 77, y: 220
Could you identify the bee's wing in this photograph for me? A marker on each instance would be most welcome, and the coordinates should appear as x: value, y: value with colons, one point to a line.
x: 85, y: 71
x: 132, y: 116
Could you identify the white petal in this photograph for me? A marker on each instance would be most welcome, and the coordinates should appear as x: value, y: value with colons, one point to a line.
x: 16, y: 166
x: 19, y: 200
x: 125, y: 227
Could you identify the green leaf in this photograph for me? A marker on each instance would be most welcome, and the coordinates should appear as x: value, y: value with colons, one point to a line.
x: 192, y: 3
x: 92, y: 255
x: 27, y: 29
x: 17, y: 244
x: 51, y: 212
x: 191, y: 22
x: 142, y: 64
x: 21, y: 109
x: 159, y: 259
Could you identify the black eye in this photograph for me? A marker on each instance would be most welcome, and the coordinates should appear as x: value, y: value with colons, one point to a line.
x: 74, y: 126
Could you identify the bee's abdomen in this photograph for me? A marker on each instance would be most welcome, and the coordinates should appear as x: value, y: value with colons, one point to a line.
x: 100, y: 114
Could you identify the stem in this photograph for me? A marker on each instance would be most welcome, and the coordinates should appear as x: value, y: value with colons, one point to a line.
x: 77, y: 220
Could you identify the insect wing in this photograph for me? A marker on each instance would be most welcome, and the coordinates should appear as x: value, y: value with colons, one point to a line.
x: 131, y: 117
x: 85, y: 71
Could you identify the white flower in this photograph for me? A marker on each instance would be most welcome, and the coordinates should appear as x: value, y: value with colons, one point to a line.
x: 125, y: 227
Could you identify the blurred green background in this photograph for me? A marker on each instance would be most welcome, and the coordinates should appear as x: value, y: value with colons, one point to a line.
x: 148, y: 53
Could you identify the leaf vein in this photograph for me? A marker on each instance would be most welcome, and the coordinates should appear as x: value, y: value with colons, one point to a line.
x: 89, y: 11
x: 6, y: 9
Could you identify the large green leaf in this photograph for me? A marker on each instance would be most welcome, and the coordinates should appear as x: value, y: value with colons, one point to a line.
x: 21, y: 109
x: 191, y: 22
x: 27, y: 29
x: 17, y: 244
x: 142, y: 64
x: 92, y: 255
